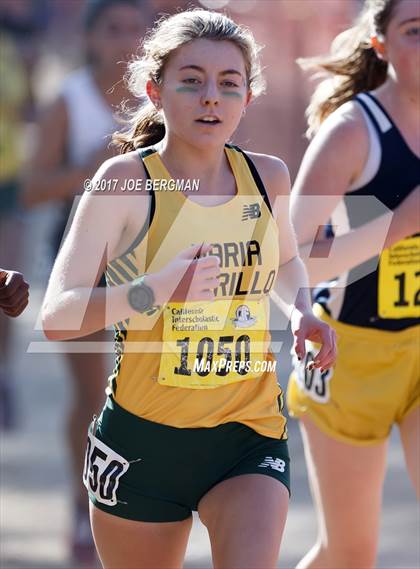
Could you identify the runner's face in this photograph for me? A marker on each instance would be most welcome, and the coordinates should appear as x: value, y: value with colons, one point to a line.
x: 204, y: 78
x: 115, y: 36
x: 402, y: 45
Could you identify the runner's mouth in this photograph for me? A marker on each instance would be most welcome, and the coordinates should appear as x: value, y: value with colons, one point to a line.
x: 209, y: 120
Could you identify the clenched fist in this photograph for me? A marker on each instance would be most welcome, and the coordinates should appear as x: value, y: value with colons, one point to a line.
x: 14, y: 293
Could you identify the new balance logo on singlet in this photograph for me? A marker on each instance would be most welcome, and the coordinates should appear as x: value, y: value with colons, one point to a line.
x: 274, y: 463
x: 252, y: 211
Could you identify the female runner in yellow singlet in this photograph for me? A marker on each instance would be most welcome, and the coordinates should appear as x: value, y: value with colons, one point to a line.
x: 193, y: 416
x: 360, y: 177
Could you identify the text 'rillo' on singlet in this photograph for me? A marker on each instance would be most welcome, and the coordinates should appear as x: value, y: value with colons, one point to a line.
x: 201, y: 364
x: 383, y: 292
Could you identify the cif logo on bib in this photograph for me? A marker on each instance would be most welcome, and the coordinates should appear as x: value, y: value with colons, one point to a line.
x: 243, y: 318
x: 313, y: 382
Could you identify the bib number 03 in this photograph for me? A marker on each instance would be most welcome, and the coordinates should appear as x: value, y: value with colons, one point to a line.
x: 313, y: 382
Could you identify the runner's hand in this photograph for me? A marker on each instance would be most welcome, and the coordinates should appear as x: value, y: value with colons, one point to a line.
x: 305, y: 326
x: 191, y: 276
x: 406, y: 219
x: 14, y: 293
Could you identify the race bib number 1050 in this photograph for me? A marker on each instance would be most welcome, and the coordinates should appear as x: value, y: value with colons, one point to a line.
x: 207, y: 345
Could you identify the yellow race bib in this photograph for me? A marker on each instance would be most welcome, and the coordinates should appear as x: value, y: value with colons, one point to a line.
x: 399, y: 280
x: 207, y: 345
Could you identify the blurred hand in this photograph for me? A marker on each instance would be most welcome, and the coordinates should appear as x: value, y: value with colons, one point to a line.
x: 195, y: 273
x: 307, y: 327
x: 14, y: 293
x: 406, y: 218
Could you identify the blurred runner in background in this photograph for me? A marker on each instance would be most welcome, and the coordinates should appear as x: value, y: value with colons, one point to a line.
x: 74, y: 133
x: 17, y: 34
x: 367, y: 145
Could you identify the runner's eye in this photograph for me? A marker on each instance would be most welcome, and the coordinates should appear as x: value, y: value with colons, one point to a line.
x: 191, y: 81
x: 227, y: 83
x: 413, y: 31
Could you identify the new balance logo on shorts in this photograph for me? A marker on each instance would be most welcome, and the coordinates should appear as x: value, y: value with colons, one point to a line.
x: 274, y: 463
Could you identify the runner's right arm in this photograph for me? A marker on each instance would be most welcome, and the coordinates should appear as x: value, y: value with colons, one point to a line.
x: 73, y: 305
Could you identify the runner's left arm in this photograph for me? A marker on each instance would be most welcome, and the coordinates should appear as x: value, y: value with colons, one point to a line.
x: 291, y: 290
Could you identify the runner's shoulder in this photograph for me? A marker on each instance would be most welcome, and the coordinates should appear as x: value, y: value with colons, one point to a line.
x: 121, y: 168
x: 274, y: 174
x: 345, y: 127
